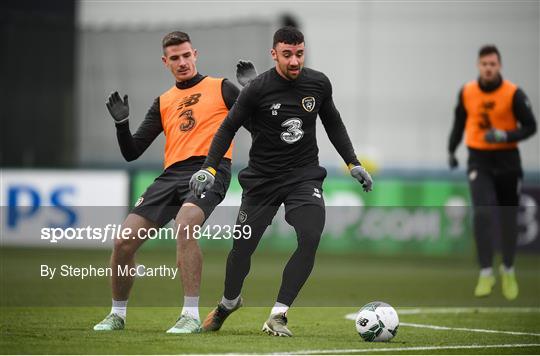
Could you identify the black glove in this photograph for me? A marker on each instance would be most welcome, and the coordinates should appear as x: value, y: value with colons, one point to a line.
x: 496, y: 136
x: 245, y: 72
x: 201, y: 181
x: 118, y: 109
x: 452, y: 161
x: 363, y: 177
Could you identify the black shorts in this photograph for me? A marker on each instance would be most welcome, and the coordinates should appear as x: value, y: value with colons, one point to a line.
x: 164, y: 197
x: 263, y: 195
x: 496, y: 162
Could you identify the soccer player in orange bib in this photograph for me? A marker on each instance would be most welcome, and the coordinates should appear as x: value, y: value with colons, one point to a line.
x: 495, y: 115
x: 189, y: 115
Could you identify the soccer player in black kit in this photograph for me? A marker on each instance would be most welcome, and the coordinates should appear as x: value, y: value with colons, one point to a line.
x: 280, y: 107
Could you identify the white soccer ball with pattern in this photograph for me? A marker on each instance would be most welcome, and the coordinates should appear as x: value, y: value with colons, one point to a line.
x: 377, y: 321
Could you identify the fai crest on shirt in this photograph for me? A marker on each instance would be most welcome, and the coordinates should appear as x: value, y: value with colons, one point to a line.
x: 308, y: 103
x: 242, y: 216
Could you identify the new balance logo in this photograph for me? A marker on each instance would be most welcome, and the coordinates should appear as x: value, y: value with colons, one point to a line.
x: 275, y: 107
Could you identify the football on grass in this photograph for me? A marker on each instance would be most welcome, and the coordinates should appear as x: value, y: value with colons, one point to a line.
x: 377, y: 321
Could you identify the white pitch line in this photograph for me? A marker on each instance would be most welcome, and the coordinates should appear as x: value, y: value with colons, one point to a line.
x: 396, y: 349
x: 459, y: 310
x: 463, y: 310
x: 352, y: 316
x: 436, y: 327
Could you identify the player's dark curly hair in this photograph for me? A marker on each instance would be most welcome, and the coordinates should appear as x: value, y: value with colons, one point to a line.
x: 288, y: 35
x: 487, y: 50
x: 175, y: 38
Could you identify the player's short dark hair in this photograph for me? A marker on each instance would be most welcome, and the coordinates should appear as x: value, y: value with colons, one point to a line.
x: 288, y: 35
x: 175, y: 38
x: 489, y: 49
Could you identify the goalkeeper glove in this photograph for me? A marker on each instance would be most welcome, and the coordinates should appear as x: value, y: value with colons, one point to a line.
x: 496, y: 136
x: 245, y: 72
x: 118, y: 109
x: 202, y: 181
x: 363, y: 177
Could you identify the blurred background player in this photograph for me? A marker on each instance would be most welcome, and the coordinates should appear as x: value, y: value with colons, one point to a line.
x: 283, y: 104
x: 189, y: 114
x: 495, y: 115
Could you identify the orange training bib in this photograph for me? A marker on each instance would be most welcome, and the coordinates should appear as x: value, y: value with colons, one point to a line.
x: 486, y: 111
x: 190, y: 119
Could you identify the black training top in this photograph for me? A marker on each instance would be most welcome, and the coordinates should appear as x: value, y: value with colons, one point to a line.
x: 281, y: 115
x: 132, y: 146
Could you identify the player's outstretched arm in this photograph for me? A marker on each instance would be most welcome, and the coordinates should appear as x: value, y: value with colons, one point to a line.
x: 203, y: 179
x: 245, y: 72
x: 337, y: 133
x: 460, y: 115
x: 132, y: 146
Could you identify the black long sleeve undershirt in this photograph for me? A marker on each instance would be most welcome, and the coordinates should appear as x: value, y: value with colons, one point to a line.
x: 230, y: 92
x: 336, y: 131
x: 133, y: 146
x: 460, y: 116
x: 520, y: 108
x: 225, y: 134
x: 524, y: 115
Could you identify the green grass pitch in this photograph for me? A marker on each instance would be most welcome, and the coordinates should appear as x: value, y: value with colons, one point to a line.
x: 38, y: 315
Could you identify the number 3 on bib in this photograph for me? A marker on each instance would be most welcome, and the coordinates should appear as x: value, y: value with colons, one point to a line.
x: 294, y: 130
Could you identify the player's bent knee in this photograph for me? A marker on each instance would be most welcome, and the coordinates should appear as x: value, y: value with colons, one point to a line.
x: 126, y: 247
x: 310, y: 232
x: 240, y: 255
x: 187, y: 232
x: 309, y: 243
x: 191, y: 214
x: 308, y: 222
x: 187, y: 237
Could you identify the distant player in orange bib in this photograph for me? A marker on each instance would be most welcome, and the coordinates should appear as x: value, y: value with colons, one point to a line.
x: 495, y: 115
x: 189, y: 114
